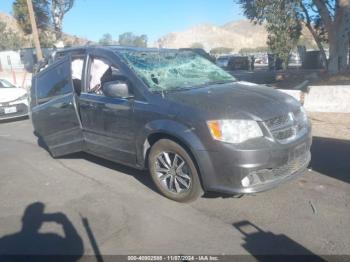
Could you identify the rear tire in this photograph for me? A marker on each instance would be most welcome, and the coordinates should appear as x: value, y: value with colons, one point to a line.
x: 174, y: 172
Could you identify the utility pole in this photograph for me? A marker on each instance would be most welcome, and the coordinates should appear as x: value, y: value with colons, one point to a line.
x: 35, y: 34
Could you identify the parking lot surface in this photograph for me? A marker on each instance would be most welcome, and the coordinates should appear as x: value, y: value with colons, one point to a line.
x: 96, y: 206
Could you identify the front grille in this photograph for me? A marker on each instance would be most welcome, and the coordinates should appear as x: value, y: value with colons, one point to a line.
x: 266, y: 175
x: 286, y: 127
x: 284, y: 134
x: 278, y: 122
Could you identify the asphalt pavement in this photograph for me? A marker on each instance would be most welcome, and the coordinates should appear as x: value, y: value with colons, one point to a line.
x: 93, y: 206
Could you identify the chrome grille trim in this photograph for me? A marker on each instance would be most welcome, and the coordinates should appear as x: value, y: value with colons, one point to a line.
x: 286, y: 128
x: 279, y: 122
x: 285, y: 133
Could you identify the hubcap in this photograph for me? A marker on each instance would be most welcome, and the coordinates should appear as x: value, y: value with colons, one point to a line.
x: 173, y: 172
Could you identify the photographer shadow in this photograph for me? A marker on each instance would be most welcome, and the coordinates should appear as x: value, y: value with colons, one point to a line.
x: 30, y: 242
x: 267, y: 246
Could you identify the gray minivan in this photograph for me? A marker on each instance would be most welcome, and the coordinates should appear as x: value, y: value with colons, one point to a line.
x: 194, y: 126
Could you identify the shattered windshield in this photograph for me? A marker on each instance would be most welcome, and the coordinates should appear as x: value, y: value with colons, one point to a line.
x: 174, y: 70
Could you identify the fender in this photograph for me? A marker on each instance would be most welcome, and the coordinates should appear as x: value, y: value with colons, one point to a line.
x: 166, y: 127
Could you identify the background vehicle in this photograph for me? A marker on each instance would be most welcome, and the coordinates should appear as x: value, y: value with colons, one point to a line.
x: 233, y: 62
x: 238, y: 63
x: 174, y: 112
x: 13, y: 101
x: 222, y: 61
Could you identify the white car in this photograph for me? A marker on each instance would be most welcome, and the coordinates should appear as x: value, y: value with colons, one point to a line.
x: 13, y: 101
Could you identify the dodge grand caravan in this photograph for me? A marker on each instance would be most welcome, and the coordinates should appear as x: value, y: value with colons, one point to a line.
x: 191, y: 124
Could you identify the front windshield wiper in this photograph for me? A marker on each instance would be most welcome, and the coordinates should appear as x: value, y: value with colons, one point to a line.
x: 178, y: 88
x: 220, y: 82
x: 173, y: 89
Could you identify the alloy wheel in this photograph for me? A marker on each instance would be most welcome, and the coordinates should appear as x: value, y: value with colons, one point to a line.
x: 173, y: 172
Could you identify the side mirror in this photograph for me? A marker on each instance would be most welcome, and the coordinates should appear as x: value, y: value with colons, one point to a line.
x: 116, y: 89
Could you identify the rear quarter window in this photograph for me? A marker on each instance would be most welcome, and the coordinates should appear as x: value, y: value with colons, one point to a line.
x: 54, y: 81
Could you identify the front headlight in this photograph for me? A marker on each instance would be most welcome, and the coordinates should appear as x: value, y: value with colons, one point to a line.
x: 22, y: 99
x: 234, y: 131
x: 25, y: 96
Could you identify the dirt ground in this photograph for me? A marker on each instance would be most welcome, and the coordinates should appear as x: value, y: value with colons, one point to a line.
x: 331, y: 125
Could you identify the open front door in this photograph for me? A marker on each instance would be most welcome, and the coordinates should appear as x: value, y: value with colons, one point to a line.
x: 55, y: 114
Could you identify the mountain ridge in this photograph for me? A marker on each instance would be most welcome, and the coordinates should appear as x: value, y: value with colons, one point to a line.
x: 236, y: 35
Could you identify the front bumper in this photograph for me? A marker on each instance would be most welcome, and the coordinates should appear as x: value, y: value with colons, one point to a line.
x: 271, y: 162
x: 13, y: 110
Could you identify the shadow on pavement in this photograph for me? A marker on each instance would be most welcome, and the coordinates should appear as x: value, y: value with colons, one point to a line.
x: 141, y: 175
x: 331, y: 157
x: 267, y: 246
x: 29, y: 241
x: 17, y: 119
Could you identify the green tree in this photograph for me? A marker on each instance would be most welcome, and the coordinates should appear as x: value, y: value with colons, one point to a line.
x: 126, y: 39
x: 129, y: 39
x: 58, y: 9
x: 47, y: 39
x: 284, y: 30
x: 9, y: 40
x: 48, y: 14
x: 327, y: 20
x: 41, y: 10
x: 106, y: 40
x: 141, y: 41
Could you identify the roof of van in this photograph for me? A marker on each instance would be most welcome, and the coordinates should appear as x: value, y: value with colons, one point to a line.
x: 115, y: 48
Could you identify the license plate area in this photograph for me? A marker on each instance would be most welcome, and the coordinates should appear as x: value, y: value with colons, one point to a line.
x: 10, y: 110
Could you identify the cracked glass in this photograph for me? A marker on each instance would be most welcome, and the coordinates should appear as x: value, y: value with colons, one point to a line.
x: 174, y: 70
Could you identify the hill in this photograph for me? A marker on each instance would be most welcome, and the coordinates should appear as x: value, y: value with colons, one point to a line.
x: 235, y: 35
x: 10, y: 22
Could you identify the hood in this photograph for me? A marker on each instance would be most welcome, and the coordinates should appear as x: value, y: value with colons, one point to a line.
x: 11, y: 94
x: 237, y: 100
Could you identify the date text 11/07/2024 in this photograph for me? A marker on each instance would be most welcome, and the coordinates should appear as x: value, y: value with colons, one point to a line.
x: 173, y: 258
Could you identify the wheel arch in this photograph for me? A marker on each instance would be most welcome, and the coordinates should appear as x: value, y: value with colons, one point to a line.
x: 156, y: 136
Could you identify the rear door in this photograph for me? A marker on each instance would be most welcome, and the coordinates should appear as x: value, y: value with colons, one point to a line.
x: 55, y: 112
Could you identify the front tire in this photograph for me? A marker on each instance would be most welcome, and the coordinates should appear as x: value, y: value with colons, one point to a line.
x: 174, y: 172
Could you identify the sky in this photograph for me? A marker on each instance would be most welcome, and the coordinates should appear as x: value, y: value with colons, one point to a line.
x: 93, y: 18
